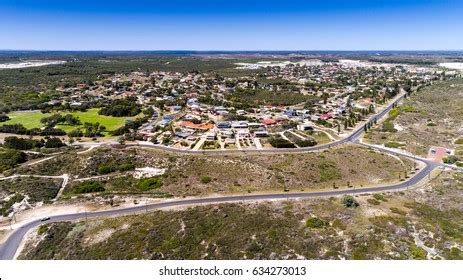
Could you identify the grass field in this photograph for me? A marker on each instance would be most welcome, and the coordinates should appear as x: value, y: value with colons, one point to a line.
x: 31, y: 119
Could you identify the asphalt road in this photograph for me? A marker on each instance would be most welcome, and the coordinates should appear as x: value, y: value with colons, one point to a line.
x: 352, y: 137
x: 9, y: 248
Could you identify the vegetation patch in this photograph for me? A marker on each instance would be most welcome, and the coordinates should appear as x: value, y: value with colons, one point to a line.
x: 395, y: 145
x: 205, y: 179
x: 315, y: 222
x: 148, y: 184
x: 280, y: 142
x: 31, y: 119
x: 88, y: 187
x: 350, y: 202
x: 34, y: 190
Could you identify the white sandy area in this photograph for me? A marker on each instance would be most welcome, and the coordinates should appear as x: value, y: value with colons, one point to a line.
x: 31, y: 63
x: 146, y: 172
x: 262, y: 64
x: 452, y: 65
x: 357, y: 63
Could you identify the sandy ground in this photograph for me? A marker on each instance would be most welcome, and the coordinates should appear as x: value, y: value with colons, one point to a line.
x: 263, y: 64
x: 30, y: 63
x: 452, y: 65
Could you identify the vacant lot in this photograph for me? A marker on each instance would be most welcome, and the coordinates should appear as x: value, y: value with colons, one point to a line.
x: 31, y: 119
x: 183, y: 176
x: 385, y: 226
x: 431, y: 117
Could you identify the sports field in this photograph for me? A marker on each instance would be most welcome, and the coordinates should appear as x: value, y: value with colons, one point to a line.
x: 31, y: 119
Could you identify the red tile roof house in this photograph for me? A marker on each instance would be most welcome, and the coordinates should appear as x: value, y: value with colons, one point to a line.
x: 326, y: 116
x: 268, y: 122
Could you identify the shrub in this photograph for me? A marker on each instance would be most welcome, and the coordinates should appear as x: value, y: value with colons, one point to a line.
x: 105, y: 169
x: 120, y: 131
x: 42, y: 229
x: 149, y: 183
x: 13, y: 142
x: 11, y: 158
x: 121, y: 108
x: 378, y: 196
x: 397, y: 211
x: 76, y: 133
x: 315, y: 222
x: 6, y: 206
x: 54, y: 143
x: 205, y: 179
x: 279, y: 142
x: 349, y: 201
x: 89, y: 187
x: 450, y: 159
x: 329, y: 171
x: 373, y: 201
x: 418, y: 253
x: 306, y: 143
x: 13, y: 128
x: 459, y: 141
x: 4, y: 118
x: 127, y: 166
x: 388, y: 126
x: 392, y: 144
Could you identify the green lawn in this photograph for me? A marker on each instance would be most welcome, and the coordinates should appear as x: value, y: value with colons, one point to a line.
x: 31, y: 119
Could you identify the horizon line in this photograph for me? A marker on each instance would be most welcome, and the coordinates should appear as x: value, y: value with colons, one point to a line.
x: 242, y: 50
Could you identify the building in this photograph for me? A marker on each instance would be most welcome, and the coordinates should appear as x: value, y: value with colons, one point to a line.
x: 305, y: 127
x: 223, y: 125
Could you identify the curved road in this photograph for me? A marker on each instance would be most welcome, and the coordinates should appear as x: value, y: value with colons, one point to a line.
x: 9, y: 248
x: 352, y: 137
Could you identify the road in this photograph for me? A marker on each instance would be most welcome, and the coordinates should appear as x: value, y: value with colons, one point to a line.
x: 9, y: 248
x: 351, y: 138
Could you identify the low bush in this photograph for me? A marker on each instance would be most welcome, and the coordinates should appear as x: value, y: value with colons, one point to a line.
x: 13, y: 142
x: 106, y: 168
x: 450, y: 159
x: 88, y: 187
x: 315, y: 222
x: 279, y: 142
x: 205, y: 179
x: 373, y: 201
x: 397, y: 211
x: 379, y: 196
x: 149, y: 184
x: 350, y: 202
x: 392, y: 144
x: 11, y: 158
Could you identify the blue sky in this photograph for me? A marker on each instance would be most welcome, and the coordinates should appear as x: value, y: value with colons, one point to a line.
x: 231, y: 25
